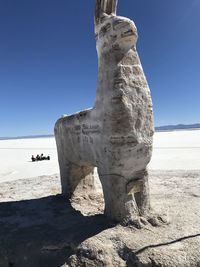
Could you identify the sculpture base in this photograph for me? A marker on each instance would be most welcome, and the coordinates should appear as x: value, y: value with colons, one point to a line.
x: 45, y: 230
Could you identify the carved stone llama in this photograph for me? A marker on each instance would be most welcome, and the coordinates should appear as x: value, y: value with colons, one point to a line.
x: 116, y: 135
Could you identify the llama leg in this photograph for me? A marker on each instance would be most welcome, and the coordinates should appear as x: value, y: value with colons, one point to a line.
x: 139, y: 186
x: 142, y: 199
x: 126, y: 201
x: 75, y: 177
x: 65, y: 167
x: 119, y: 206
x: 81, y: 179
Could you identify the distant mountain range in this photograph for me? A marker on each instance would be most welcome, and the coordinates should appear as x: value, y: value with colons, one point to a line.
x: 158, y: 129
x: 178, y: 127
x: 27, y: 137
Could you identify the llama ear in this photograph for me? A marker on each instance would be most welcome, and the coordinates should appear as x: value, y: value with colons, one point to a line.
x: 98, y: 11
x: 105, y: 6
x: 110, y: 6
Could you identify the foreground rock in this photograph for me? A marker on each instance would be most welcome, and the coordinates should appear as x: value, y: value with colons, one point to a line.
x: 46, y: 230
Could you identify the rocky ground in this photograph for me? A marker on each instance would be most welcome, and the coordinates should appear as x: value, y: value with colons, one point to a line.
x: 40, y: 228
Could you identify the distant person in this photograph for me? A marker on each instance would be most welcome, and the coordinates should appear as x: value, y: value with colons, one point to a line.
x: 38, y: 157
x: 33, y: 158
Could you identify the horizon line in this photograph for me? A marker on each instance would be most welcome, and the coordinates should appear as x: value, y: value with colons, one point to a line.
x: 157, y: 128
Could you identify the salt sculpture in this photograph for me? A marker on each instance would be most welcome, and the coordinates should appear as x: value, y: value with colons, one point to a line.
x: 116, y: 134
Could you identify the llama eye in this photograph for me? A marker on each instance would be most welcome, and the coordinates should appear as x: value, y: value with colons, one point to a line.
x: 116, y: 22
x: 127, y: 33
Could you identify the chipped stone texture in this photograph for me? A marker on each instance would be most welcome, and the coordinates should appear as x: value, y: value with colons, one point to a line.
x: 116, y: 134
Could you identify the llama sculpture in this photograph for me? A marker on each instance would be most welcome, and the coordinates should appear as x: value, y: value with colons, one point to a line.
x: 116, y: 134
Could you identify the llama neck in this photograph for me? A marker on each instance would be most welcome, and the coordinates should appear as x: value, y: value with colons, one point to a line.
x: 117, y: 77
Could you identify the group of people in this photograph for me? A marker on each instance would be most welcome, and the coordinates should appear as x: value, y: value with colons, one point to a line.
x: 40, y: 157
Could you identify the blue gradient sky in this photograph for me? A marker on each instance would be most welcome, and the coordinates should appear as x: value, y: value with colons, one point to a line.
x: 48, y: 63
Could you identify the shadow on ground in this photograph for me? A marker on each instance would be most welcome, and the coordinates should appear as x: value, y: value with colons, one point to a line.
x: 43, y: 232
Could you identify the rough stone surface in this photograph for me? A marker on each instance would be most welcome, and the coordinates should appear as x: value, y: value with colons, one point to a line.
x: 116, y: 135
x: 38, y: 228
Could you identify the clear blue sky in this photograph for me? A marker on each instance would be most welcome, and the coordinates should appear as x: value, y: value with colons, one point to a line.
x: 48, y: 63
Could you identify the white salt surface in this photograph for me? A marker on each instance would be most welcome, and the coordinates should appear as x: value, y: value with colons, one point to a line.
x: 15, y: 158
x: 175, y: 150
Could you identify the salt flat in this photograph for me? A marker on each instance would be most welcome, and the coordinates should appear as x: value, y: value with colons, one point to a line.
x: 175, y: 150
x: 16, y: 161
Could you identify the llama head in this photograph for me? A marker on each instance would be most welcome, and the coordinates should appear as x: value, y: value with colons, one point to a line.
x: 114, y: 34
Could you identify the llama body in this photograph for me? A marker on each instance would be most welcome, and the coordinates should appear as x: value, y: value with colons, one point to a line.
x: 116, y: 135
